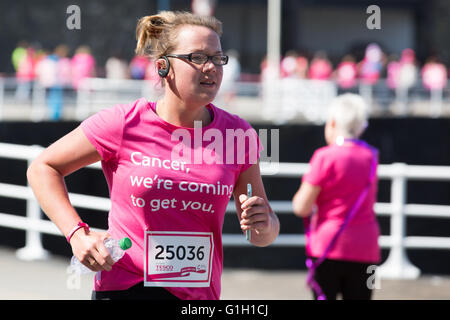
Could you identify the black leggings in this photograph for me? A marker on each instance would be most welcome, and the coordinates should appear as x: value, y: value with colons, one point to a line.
x: 136, y: 292
x: 345, y: 277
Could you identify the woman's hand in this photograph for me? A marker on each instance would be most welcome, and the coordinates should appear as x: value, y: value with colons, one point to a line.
x: 88, y: 247
x: 256, y: 214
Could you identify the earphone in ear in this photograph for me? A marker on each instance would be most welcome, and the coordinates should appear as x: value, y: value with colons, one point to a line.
x: 163, y: 72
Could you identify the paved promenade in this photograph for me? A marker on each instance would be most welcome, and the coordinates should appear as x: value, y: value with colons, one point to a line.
x: 43, y: 280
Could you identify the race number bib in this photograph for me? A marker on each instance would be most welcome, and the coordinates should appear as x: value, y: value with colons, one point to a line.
x: 178, y: 259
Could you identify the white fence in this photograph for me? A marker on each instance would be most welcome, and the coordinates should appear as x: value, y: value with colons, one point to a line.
x: 396, y: 266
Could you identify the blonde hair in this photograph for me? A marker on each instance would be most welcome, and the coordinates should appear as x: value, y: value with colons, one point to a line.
x: 156, y: 35
x: 349, y: 111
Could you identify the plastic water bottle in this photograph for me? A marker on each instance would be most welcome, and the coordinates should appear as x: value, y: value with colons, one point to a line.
x: 116, y: 249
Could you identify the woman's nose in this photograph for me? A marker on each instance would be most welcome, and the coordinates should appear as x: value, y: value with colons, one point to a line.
x: 209, y: 66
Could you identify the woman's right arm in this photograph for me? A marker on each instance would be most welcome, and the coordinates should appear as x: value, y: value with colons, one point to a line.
x: 46, y: 177
x: 304, y: 199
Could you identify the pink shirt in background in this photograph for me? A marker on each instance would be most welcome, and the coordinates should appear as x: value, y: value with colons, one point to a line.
x: 320, y: 69
x: 151, y: 190
x: 83, y: 66
x: 25, y: 71
x: 346, y: 74
x: 434, y: 76
x: 342, y: 172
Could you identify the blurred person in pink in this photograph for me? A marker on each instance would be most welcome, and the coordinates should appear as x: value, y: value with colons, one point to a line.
x: 408, y: 71
x: 302, y: 66
x: 64, y: 66
x: 54, y: 74
x: 83, y: 65
x: 434, y: 74
x: 63, y: 80
x: 392, y: 70
x: 18, y: 54
x: 406, y: 78
x: 293, y: 65
x: 46, y: 70
x: 336, y: 198
x: 371, y: 66
x: 138, y: 67
x: 346, y: 72
x: 320, y: 67
x: 288, y: 65
x: 116, y: 67
x: 25, y: 73
x: 434, y: 78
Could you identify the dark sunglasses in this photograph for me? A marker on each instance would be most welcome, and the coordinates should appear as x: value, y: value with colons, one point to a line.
x: 201, y: 58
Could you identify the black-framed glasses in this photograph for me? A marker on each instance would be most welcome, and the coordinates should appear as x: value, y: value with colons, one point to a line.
x: 201, y: 58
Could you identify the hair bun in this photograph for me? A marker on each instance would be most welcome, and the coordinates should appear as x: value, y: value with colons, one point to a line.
x: 155, y: 26
x: 149, y: 27
x: 156, y: 34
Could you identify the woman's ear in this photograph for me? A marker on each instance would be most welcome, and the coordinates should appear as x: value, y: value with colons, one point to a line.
x: 332, y: 123
x: 330, y: 126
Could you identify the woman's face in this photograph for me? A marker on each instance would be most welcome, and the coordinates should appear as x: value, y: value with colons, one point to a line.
x: 194, y: 83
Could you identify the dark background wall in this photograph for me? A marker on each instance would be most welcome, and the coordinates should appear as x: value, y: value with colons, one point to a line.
x: 108, y: 26
x: 412, y: 140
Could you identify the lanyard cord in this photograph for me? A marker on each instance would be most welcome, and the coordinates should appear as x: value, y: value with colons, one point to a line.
x: 312, y: 265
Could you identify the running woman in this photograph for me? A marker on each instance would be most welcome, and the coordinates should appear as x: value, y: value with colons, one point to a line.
x: 171, y: 166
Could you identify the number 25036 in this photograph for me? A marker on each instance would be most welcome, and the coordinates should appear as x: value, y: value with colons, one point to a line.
x: 170, y: 252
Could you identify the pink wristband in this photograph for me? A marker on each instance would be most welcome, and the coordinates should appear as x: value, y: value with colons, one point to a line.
x: 78, y: 226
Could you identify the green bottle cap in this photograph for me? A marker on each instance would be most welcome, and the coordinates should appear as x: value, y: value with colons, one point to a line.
x: 125, y: 243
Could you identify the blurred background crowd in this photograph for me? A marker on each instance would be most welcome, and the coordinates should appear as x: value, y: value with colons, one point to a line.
x: 405, y: 61
x: 59, y: 68
x: 403, y: 70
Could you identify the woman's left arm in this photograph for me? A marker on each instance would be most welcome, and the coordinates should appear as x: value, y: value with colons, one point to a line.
x: 255, y: 213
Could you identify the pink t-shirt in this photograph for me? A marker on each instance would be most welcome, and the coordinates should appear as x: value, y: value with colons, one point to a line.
x: 346, y: 74
x: 82, y: 66
x: 169, y: 189
x: 342, y: 172
x: 434, y: 76
x: 320, y: 69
